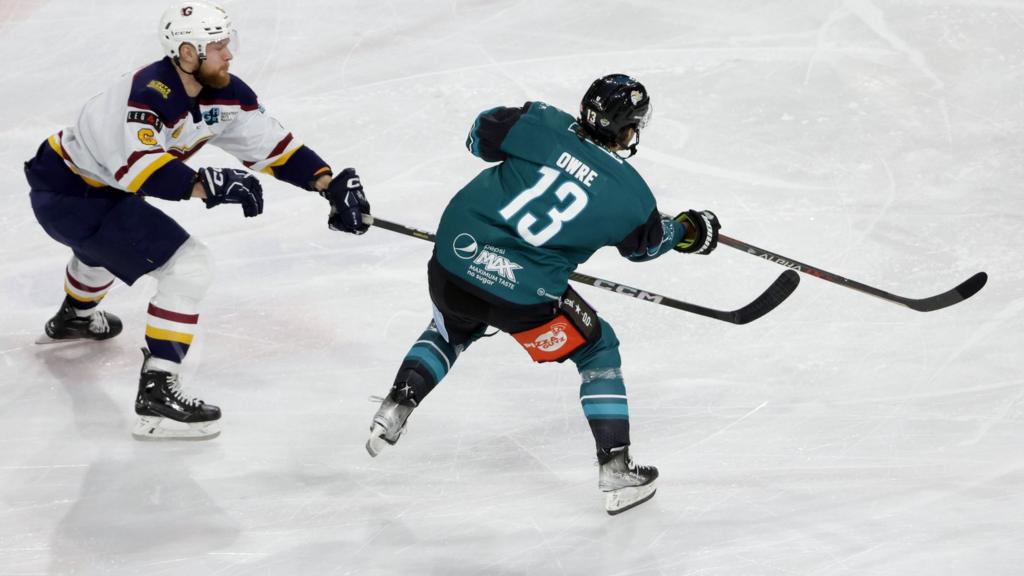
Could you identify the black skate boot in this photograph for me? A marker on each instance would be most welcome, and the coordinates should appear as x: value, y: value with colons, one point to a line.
x: 389, y: 421
x: 67, y: 326
x: 624, y: 483
x: 166, y: 412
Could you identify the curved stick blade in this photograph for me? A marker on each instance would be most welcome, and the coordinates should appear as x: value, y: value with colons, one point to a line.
x: 783, y: 286
x: 962, y: 292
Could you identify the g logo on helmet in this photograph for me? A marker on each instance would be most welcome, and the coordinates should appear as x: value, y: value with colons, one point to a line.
x: 186, y: 11
x: 465, y: 246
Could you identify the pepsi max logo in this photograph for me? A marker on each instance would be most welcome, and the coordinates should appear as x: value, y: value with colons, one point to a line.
x: 465, y: 246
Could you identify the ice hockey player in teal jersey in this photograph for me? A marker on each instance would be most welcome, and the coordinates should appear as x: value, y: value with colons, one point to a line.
x: 507, y: 242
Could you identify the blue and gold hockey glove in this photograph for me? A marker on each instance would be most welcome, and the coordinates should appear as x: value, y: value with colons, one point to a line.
x: 701, y: 232
x: 230, y: 186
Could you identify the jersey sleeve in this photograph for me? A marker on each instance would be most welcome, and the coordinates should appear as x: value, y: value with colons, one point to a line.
x: 146, y: 165
x: 656, y: 236
x: 489, y: 131
x: 262, y: 144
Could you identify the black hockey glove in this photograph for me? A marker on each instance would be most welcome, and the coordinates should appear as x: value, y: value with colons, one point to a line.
x: 230, y: 186
x: 348, y: 203
x: 706, y: 225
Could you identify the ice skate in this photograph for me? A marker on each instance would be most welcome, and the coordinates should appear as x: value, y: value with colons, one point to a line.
x: 167, y: 413
x: 66, y: 326
x: 625, y: 483
x: 389, y: 421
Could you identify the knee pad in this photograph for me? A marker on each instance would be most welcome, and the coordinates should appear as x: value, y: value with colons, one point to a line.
x: 187, y: 275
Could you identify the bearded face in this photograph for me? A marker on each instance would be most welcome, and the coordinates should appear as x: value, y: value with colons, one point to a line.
x: 213, y: 69
x: 214, y: 75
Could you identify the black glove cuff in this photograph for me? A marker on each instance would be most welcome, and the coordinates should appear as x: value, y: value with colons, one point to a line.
x: 201, y: 176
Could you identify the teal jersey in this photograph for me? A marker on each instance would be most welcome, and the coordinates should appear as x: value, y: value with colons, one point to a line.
x: 521, y: 227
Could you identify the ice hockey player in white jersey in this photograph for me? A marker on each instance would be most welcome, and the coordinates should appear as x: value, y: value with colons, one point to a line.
x: 89, y: 182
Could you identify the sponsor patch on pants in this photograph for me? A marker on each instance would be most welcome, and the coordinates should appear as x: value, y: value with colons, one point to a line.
x: 552, y: 341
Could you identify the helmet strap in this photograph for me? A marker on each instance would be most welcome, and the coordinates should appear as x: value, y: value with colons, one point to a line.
x: 631, y: 147
x: 193, y: 73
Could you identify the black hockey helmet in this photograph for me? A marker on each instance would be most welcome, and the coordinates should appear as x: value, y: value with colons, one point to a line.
x: 611, y: 104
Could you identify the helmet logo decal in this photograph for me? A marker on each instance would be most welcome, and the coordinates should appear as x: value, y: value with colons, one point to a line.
x: 198, y: 23
x: 636, y: 96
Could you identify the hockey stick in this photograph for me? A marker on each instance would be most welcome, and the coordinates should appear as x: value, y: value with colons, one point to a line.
x: 963, y: 291
x: 779, y: 290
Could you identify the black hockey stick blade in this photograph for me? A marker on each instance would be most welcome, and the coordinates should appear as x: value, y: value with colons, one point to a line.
x: 763, y: 304
x: 774, y: 295
x: 963, y: 291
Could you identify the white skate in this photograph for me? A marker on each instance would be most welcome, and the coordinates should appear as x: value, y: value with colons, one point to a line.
x: 625, y: 483
x: 388, y: 425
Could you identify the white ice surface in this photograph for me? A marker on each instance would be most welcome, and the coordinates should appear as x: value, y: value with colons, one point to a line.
x: 840, y: 435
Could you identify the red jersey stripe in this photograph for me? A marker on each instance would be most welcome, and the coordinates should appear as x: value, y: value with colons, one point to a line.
x: 280, y: 146
x: 173, y: 316
x: 132, y: 159
x: 137, y: 104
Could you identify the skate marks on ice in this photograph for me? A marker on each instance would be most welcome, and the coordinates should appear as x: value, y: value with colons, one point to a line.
x: 872, y: 16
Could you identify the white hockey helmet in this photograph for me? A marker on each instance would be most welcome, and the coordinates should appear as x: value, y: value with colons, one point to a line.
x: 195, y: 22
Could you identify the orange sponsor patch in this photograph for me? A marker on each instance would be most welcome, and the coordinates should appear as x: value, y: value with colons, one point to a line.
x: 552, y: 341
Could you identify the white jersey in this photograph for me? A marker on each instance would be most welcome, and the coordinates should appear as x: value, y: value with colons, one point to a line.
x: 135, y: 135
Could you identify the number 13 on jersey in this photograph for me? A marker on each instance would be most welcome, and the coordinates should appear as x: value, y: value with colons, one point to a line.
x: 548, y: 176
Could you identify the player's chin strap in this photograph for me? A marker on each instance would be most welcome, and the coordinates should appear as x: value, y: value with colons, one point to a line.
x: 632, y: 146
x: 194, y: 73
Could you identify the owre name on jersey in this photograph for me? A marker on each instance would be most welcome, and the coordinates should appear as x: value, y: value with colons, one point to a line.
x: 576, y: 168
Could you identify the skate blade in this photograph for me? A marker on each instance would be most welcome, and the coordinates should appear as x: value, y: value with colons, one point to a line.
x: 376, y: 442
x: 158, y: 428
x: 618, y: 501
x: 44, y: 340
x: 378, y: 439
